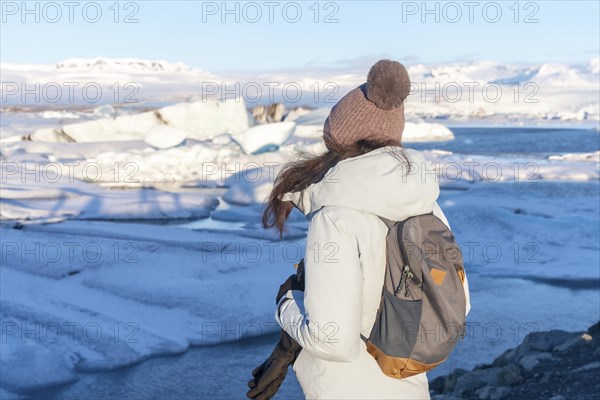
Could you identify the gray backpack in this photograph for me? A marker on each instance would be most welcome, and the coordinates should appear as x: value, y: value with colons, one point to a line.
x: 423, y: 307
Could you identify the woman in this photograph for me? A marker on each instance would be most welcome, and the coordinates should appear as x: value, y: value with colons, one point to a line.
x: 364, y: 174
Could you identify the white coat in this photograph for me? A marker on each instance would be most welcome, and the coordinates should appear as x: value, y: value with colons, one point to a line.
x: 344, y: 272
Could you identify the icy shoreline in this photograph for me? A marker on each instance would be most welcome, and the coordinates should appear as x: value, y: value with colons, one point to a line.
x: 554, y: 364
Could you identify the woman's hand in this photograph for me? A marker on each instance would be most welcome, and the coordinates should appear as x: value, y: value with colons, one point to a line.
x: 268, y: 376
x: 294, y: 282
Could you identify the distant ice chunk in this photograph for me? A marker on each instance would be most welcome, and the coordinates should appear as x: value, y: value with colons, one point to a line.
x: 591, y: 157
x: 309, y: 131
x: 250, y: 187
x: 594, y: 65
x: 105, y: 111
x: 202, y: 120
x: 296, y: 113
x: 221, y: 140
x: 59, y: 115
x: 263, y: 138
x: 310, y: 125
x: 315, y: 117
x: 425, y: 132
x: 165, y: 137
x: 206, y: 119
x: 126, y: 127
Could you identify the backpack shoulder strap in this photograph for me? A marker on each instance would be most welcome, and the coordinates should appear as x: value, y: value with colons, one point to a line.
x: 388, y: 222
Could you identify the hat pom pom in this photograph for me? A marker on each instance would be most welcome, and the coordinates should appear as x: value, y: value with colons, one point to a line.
x: 388, y: 84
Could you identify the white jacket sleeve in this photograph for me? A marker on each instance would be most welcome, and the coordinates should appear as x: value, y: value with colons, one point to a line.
x: 329, y: 327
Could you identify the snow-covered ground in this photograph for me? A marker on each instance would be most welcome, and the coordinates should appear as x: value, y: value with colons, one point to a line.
x: 130, y: 237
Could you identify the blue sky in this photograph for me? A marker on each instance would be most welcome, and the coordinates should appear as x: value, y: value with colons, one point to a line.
x: 202, y: 34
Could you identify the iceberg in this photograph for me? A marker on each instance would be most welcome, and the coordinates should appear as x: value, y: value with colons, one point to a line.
x: 165, y: 137
x: 201, y: 119
x: 417, y: 130
x: 206, y: 119
x: 263, y: 138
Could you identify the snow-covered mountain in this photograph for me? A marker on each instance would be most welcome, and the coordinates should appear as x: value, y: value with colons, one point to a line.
x: 120, y: 64
x: 457, y: 91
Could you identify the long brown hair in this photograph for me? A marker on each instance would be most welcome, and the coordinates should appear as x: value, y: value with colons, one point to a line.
x: 297, y: 175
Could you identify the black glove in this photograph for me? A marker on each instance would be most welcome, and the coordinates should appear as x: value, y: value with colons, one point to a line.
x: 270, y: 374
x: 294, y: 282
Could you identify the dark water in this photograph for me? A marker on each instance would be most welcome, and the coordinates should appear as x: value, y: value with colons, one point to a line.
x: 212, y: 372
x: 536, y: 142
x: 221, y: 372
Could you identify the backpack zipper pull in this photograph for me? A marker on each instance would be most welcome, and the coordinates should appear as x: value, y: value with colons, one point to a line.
x: 399, y: 287
x: 407, y: 277
x: 402, y: 280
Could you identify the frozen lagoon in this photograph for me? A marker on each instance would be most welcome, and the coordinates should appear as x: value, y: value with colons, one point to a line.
x: 546, y: 228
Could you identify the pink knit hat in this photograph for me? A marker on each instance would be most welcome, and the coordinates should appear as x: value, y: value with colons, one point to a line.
x: 374, y: 110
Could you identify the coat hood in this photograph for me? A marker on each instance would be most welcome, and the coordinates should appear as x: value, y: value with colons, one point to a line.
x: 379, y: 182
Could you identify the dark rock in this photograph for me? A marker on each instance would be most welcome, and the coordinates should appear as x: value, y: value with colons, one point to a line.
x: 492, y: 392
x: 484, y: 392
x: 469, y: 383
x: 438, y: 384
x: 592, y: 365
x: 543, y: 341
x: 452, y: 378
x: 505, y: 358
x: 509, y: 375
x: 531, y: 361
x: 501, y: 392
x: 546, y: 377
x: 568, y: 344
x: 443, y: 397
x: 555, y: 363
x: 594, y: 330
